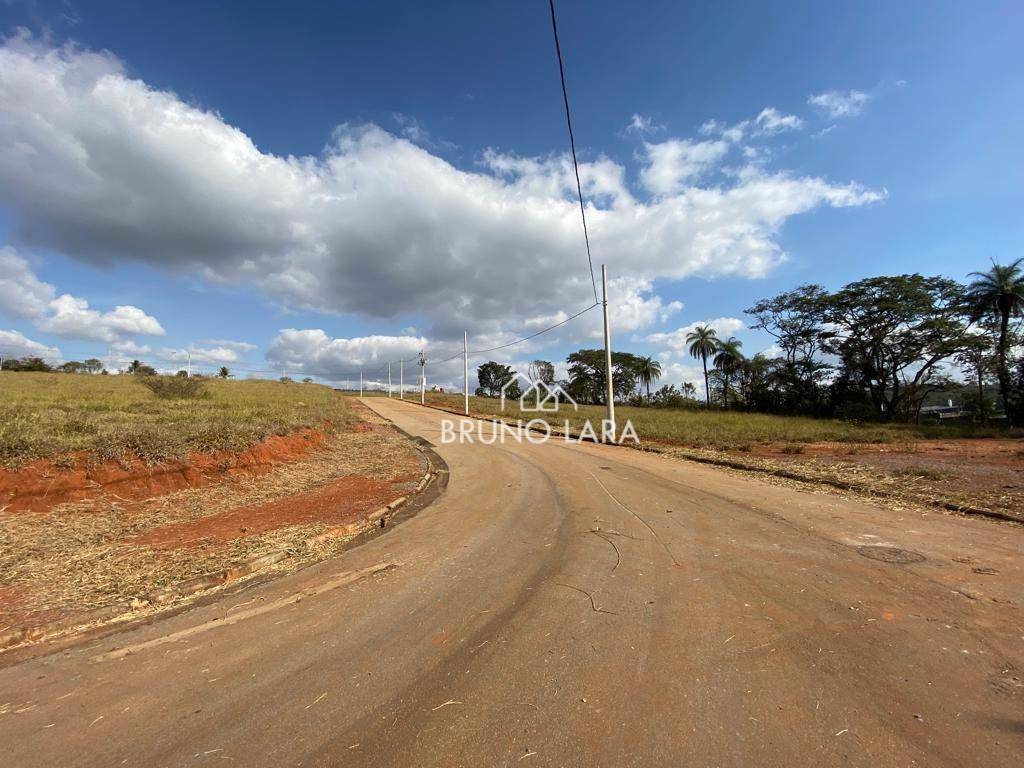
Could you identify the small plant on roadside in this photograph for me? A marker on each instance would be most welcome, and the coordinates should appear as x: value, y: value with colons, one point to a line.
x: 791, y: 449
x: 174, y: 387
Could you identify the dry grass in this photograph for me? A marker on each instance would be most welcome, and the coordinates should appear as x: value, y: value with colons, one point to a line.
x: 112, y: 417
x: 723, y: 430
x: 77, y: 555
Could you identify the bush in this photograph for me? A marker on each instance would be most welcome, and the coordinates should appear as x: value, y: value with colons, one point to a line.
x: 174, y: 387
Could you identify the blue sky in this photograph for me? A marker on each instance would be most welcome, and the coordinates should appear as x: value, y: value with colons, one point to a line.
x: 888, y: 141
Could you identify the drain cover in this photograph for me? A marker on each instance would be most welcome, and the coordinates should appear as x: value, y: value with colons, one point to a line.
x: 893, y: 555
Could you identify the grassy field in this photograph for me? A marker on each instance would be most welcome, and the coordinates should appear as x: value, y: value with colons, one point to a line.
x: 723, y: 430
x: 49, y: 414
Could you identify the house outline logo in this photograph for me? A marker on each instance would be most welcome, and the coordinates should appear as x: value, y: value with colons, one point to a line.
x: 550, y: 402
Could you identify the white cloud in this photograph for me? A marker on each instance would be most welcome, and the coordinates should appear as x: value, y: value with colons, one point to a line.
x: 216, y: 355
x: 22, y: 294
x: 673, y: 163
x: 16, y: 344
x: 770, y: 121
x: 674, y: 342
x: 632, y: 305
x: 237, y: 346
x: 312, y: 351
x: 823, y: 132
x: 72, y: 318
x: 836, y: 104
x: 642, y: 126
x: 104, y: 169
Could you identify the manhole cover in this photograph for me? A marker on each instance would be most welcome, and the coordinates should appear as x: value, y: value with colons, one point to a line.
x: 893, y: 555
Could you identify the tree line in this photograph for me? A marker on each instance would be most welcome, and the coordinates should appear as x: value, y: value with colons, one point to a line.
x: 875, y: 349
x: 90, y: 366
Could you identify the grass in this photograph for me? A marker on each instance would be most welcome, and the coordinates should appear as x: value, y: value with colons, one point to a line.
x: 725, y: 430
x: 48, y: 415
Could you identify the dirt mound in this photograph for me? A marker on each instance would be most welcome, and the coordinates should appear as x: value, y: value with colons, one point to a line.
x: 43, y: 484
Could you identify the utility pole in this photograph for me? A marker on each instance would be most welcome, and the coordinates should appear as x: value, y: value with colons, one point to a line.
x: 190, y: 364
x: 423, y: 379
x: 465, y: 370
x: 389, y: 379
x: 401, y: 379
x: 609, y: 388
x: 360, y: 383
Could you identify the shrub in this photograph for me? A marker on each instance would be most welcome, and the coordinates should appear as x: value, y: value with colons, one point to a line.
x: 174, y: 387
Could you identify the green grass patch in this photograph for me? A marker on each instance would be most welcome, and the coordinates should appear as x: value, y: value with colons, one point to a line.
x: 727, y: 430
x: 115, y: 417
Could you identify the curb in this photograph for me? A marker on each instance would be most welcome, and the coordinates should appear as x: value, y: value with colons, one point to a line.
x: 730, y: 464
x: 189, y: 587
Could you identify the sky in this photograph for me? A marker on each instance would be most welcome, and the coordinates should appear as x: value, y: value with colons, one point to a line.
x: 318, y: 188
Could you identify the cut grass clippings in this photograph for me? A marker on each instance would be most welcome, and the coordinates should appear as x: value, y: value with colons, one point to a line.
x: 79, y: 555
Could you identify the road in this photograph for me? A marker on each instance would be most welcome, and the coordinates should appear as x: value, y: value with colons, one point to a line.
x: 566, y: 605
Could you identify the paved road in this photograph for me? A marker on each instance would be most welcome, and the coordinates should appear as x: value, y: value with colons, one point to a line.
x: 572, y: 606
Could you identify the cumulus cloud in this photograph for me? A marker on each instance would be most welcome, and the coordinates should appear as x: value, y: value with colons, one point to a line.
x: 770, y: 121
x: 71, y: 318
x: 836, y: 104
x: 16, y: 344
x: 674, y: 342
x: 103, y: 167
x: 672, y: 164
x: 22, y: 294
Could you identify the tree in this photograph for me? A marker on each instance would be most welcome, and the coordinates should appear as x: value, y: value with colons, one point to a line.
x: 976, y: 356
x: 999, y: 291
x: 36, y: 364
x: 542, y: 370
x: 224, y: 373
x: 587, y: 375
x: 492, y: 377
x: 182, y: 374
x: 703, y: 342
x: 728, y: 360
x: 72, y: 366
x: 648, y: 371
x: 795, y: 319
x: 891, y: 335
x: 138, y: 368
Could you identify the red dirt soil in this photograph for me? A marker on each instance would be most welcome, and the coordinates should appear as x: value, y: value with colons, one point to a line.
x: 340, y: 501
x: 42, y: 485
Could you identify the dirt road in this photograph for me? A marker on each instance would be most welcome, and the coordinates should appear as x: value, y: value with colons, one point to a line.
x: 573, y: 606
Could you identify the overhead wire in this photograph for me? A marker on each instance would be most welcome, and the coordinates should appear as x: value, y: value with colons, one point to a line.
x: 572, y: 146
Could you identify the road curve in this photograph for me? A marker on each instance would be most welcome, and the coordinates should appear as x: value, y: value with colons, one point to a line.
x: 572, y: 606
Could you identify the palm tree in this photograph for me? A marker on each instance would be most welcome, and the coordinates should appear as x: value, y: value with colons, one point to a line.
x: 999, y: 291
x: 703, y: 342
x: 728, y: 359
x: 648, y: 371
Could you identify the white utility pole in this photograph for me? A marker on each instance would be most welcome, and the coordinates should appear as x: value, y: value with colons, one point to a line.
x: 423, y: 379
x: 389, y: 379
x: 401, y: 379
x: 609, y: 388
x: 190, y: 365
x: 465, y: 370
x: 360, y: 383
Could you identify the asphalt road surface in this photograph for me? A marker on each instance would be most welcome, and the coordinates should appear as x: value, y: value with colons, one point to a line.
x: 572, y: 606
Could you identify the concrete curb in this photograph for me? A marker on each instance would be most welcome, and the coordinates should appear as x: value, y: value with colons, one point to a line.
x: 730, y: 464
x: 189, y: 587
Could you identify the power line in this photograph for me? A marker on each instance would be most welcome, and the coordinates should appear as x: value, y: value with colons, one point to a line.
x: 572, y: 146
